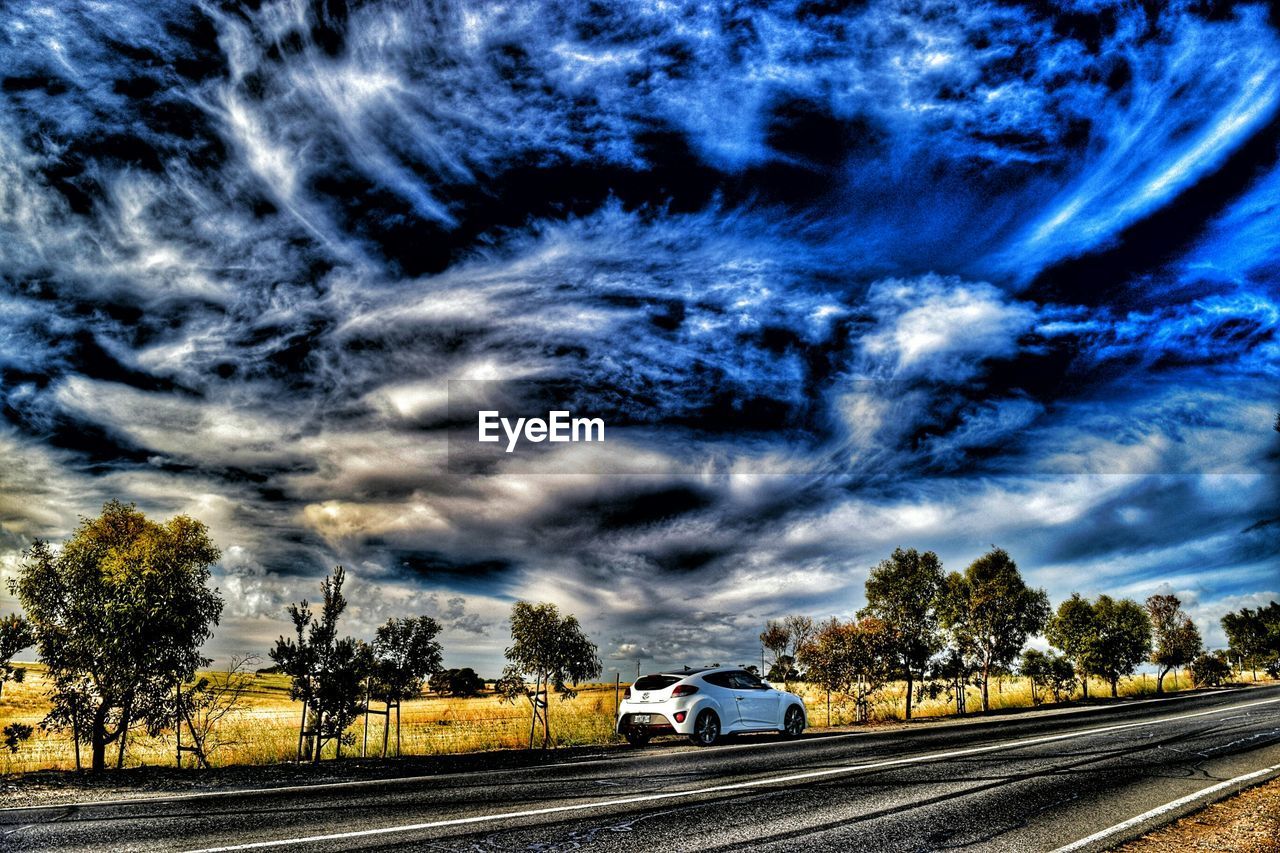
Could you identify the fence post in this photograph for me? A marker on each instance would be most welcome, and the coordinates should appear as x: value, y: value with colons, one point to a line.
x: 177, y: 721
x: 828, y: 708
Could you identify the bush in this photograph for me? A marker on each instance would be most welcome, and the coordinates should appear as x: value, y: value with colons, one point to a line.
x: 1209, y: 670
x: 458, y: 682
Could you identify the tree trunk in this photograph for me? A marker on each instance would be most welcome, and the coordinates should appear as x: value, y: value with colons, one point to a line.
x: 1084, y: 684
x: 908, y: 691
x: 302, y: 728
x: 397, y: 728
x: 986, y: 677
x: 1115, y: 688
x: 123, y: 732
x: 99, y: 739
x: 318, y: 725
x: 533, y: 701
x: 75, y: 731
x: 1160, y: 674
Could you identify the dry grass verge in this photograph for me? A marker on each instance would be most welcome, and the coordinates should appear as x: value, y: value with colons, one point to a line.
x: 1249, y: 822
x: 265, y: 732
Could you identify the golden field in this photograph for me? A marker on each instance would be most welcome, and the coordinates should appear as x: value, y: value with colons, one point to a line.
x: 264, y: 730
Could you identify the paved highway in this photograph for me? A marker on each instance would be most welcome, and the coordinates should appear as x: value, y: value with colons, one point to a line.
x: 1028, y: 782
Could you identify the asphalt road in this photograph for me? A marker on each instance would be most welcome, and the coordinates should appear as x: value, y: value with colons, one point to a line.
x: 1027, y: 782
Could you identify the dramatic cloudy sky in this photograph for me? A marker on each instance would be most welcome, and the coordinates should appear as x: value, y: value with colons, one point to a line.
x: 940, y: 275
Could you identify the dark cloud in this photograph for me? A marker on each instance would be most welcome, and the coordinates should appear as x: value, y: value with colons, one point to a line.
x: 839, y: 280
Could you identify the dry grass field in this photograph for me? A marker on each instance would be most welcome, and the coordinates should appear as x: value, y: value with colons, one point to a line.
x: 264, y: 730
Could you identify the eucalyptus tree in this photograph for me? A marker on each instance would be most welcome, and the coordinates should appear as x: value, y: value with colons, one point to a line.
x: 1175, y: 639
x: 1122, y: 639
x: 1073, y: 628
x: 553, y: 652
x: 902, y: 592
x: 119, y: 612
x: 405, y: 654
x: 990, y: 611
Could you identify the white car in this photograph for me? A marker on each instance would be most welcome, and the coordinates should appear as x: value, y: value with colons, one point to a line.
x: 705, y: 704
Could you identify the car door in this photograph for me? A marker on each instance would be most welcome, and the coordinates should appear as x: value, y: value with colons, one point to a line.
x: 758, y: 705
x: 729, y: 697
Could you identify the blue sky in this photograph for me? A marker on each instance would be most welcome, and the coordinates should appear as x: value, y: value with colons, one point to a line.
x: 938, y: 275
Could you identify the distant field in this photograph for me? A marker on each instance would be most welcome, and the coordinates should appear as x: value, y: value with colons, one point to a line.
x: 265, y: 731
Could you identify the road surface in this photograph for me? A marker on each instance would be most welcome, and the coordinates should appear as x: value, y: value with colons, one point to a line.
x: 1026, y: 782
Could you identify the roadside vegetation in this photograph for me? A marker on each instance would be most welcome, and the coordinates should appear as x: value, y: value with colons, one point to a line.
x: 118, y: 614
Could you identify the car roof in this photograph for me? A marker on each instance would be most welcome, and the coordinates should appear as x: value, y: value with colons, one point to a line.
x: 684, y: 673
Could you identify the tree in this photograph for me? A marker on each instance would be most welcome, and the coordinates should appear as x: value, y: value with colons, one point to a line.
x: 1048, y: 673
x: 1123, y: 639
x: 784, y: 670
x: 120, y: 614
x: 783, y: 638
x: 16, y: 634
x: 902, y: 592
x: 1072, y: 629
x: 990, y: 612
x: 776, y: 638
x: 1210, y: 670
x: 457, y: 682
x: 553, y: 651
x: 328, y: 673
x: 340, y: 691
x: 406, y: 654
x: 295, y: 657
x: 1175, y: 640
x: 851, y: 659
x: 1254, y: 635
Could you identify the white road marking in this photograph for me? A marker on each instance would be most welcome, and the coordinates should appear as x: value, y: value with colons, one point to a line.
x: 1166, y: 808
x: 731, y: 786
x: 654, y: 754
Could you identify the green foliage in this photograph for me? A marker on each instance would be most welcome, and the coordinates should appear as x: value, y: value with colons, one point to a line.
x: 1210, y: 670
x: 457, y: 682
x: 1049, y: 674
x: 328, y: 674
x: 15, y: 734
x: 783, y: 670
x: 406, y: 654
x: 902, y: 592
x: 553, y: 652
x: 16, y: 634
x: 1074, y: 629
x: 1122, y: 641
x: 990, y: 611
x: 783, y: 638
x: 1254, y: 635
x: 1176, y: 640
x: 120, y: 614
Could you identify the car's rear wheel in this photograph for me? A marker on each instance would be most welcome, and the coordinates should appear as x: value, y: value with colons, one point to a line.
x: 706, y: 729
x: 793, y: 722
x: 637, y: 738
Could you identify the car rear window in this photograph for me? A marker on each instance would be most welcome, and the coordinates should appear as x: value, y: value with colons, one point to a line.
x: 655, y: 682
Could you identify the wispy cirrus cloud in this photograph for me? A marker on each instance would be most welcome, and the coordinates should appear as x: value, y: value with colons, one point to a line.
x: 843, y: 280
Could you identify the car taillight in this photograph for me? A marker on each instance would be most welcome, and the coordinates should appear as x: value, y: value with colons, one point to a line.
x: 683, y: 690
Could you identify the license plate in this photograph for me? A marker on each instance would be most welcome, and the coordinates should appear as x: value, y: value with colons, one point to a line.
x: 640, y: 719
